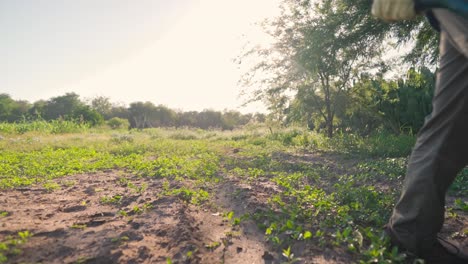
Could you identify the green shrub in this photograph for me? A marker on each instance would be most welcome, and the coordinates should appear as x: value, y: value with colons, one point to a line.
x: 118, y: 123
x: 48, y: 127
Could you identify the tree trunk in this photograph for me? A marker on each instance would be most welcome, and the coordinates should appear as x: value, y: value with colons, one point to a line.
x: 330, y: 127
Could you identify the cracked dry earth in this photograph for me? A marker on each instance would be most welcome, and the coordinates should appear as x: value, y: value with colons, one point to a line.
x: 73, y: 225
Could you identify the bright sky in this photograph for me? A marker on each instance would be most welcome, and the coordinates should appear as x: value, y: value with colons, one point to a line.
x: 178, y: 53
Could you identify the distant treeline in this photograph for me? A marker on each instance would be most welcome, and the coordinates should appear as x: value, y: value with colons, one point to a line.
x: 371, y: 104
x: 101, y: 110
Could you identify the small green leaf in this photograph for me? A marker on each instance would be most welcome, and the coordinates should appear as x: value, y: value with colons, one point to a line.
x: 307, y: 235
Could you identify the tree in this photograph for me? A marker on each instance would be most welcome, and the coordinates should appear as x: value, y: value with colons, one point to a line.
x: 232, y: 119
x: 397, y: 105
x: 164, y: 117
x: 102, y: 105
x: 62, y: 106
x: 118, y: 123
x: 20, y: 110
x: 187, y: 119
x: 120, y: 111
x: 406, y: 102
x: 86, y: 114
x: 6, y: 107
x: 37, y: 109
x: 13, y: 110
x: 141, y: 114
x: 209, y: 119
x: 321, y: 48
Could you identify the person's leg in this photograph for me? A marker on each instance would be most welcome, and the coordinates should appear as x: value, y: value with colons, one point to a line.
x: 441, y: 150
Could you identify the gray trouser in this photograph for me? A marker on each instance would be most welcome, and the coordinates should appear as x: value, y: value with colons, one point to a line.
x: 441, y: 150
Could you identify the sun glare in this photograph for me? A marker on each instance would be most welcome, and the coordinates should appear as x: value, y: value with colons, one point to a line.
x: 191, y: 66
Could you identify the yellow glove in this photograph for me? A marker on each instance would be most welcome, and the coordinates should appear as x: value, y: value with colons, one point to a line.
x: 393, y: 10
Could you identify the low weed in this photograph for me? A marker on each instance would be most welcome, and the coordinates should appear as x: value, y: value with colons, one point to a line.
x: 78, y: 226
x: 11, y: 246
x: 312, y: 201
x: 51, y: 186
x: 46, y: 127
x: 116, y: 199
x: 121, y: 138
x: 120, y: 239
x: 460, y: 185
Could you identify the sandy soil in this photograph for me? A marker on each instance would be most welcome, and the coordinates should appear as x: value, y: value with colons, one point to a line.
x: 73, y: 225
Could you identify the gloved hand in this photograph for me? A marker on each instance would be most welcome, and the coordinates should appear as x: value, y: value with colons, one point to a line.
x: 394, y: 10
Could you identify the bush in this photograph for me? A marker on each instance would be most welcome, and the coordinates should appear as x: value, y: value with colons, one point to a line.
x: 49, y: 127
x: 118, y: 123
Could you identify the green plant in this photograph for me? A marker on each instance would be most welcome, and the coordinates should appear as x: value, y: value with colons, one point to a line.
x: 137, y: 189
x: 116, y: 199
x: 287, y: 253
x: 118, y: 123
x: 12, y: 245
x: 459, y: 186
x: 122, y: 213
x: 213, y: 245
x: 51, y: 186
x: 78, y: 226
x: 121, y: 139
x: 120, y: 239
x: 462, y: 205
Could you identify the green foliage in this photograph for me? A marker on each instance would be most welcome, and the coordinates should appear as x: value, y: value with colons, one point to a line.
x: 185, y: 194
x: 25, y: 168
x: 125, y: 138
x: 47, y: 127
x: 51, y: 186
x: 460, y: 186
x: 314, y: 195
x: 11, y: 110
x: 120, y: 240
x: 139, y: 115
x: 116, y: 199
x: 324, y: 70
x: 78, y: 226
x: 462, y: 205
x: 12, y: 245
x: 118, y: 123
x: 69, y: 107
x: 102, y: 105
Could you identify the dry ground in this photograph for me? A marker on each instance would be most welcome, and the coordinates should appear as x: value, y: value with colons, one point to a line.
x: 74, y: 225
